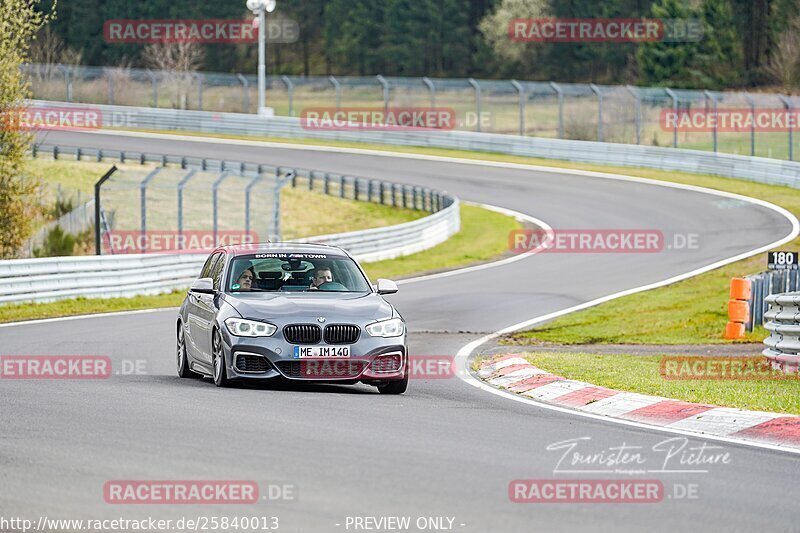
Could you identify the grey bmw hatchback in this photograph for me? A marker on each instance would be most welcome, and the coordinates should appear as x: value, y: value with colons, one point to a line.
x: 303, y: 312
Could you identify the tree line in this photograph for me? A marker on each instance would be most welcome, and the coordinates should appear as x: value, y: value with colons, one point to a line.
x: 745, y: 42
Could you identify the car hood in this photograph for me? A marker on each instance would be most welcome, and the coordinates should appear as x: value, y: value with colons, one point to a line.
x: 309, y: 306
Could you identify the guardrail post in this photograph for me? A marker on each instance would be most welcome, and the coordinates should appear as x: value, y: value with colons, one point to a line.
x: 560, y: 94
x: 596, y: 91
x: 788, y: 104
x: 381, y: 191
x: 713, y: 98
x: 55, y: 152
x: 290, y: 90
x: 98, y: 241
x: 394, y: 195
x: 246, y: 89
x: 521, y: 90
x: 414, y: 197
x: 181, y: 185
x: 369, y: 190
x: 432, y: 89
x: 311, y: 180
x: 477, y: 88
x: 338, y: 87
x: 674, y: 97
x: 355, y: 188
x: 638, y: 111
x: 385, y: 85
x: 341, y: 186
x: 327, y: 184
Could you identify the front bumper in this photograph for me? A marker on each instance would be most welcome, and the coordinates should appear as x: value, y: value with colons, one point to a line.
x: 372, y: 359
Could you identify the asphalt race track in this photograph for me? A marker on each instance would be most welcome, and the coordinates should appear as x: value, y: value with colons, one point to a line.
x: 444, y: 449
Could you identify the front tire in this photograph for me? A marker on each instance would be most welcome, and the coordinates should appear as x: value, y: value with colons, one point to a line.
x: 395, y: 387
x: 182, y: 361
x: 220, y: 369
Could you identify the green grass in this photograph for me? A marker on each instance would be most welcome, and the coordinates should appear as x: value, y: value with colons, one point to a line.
x: 641, y: 374
x: 483, y: 236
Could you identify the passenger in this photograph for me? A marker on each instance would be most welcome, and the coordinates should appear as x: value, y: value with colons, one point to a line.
x: 321, y: 275
x: 245, y: 280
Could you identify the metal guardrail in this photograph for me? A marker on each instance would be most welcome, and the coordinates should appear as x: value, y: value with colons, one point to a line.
x: 763, y: 170
x: 763, y: 286
x: 611, y: 113
x: 783, y: 323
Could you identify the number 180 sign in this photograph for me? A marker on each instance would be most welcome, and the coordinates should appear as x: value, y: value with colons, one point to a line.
x: 782, y: 260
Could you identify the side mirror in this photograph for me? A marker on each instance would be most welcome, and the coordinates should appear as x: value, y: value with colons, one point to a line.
x: 203, y: 285
x: 386, y: 286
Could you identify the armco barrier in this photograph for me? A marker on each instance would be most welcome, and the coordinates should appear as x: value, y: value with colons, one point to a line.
x: 758, y: 169
x: 783, y: 323
x: 763, y: 285
x: 49, y: 279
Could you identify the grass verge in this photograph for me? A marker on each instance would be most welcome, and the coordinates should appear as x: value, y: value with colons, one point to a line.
x: 304, y: 213
x: 635, y: 373
x: 483, y: 236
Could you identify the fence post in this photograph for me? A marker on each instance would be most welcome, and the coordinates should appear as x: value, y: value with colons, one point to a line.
x: 477, y: 88
x: 199, y: 78
x: 788, y: 104
x: 341, y: 186
x: 154, y: 82
x: 290, y: 90
x: 521, y: 90
x: 67, y: 71
x: 143, y: 204
x: 385, y: 85
x: 110, y: 80
x: 710, y: 95
x: 181, y: 185
x: 247, y: 190
x: 338, y: 87
x: 674, y: 97
x: 560, y: 94
x: 752, y: 123
x: 596, y: 91
x: 215, y: 201
x: 638, y: 111
x: 98, y: 245
x: 246, y: 89
x: 432, y: 89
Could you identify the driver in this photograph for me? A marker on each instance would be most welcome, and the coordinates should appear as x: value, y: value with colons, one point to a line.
x: 321, y: 275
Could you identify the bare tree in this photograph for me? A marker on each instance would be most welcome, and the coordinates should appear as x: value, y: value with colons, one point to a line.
x: 784, y: 65
x: 178, y: 63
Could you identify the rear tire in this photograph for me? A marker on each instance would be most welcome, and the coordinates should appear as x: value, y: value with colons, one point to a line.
x: 220, y: 369
x: 182, y: 361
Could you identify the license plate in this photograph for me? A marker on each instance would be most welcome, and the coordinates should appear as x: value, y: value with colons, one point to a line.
x: 304, y: 352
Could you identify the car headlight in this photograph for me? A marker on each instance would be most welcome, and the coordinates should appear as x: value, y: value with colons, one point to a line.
x: 249, y: 328
x: 393, y: 327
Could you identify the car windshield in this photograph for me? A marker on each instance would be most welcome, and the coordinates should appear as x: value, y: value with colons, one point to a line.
x: 295, y: 272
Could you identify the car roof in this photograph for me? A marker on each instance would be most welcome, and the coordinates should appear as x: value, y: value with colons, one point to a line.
x: 287, y: 247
